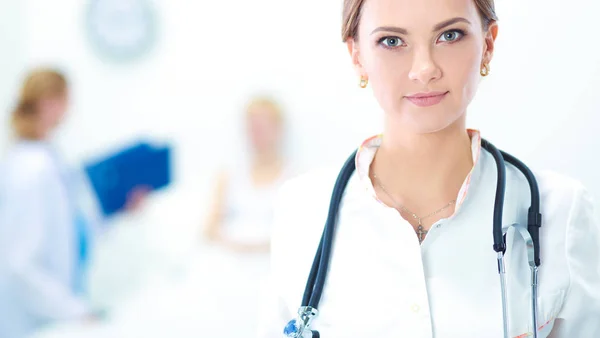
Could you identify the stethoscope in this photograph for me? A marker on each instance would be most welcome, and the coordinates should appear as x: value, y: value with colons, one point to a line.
x: 300, y: 327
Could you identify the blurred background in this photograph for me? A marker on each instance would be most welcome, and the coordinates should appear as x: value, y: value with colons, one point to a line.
x: 207, y: 77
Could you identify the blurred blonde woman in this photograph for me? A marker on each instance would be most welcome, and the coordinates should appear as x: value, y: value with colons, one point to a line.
x: 45, y: 236
x: 241, y: 213
x: 238, y: 225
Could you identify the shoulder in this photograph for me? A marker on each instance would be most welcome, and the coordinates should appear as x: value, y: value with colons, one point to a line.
x: 569, y: 214
x: 570, y: 232
x: 309, y: 183
x: 554, y: 183
x: 301, y: 209
x: 567, y: 208
x: 564, y: 201
x: 27, y: 164
x: 305, y: 198
x: 567, y: 200
x: 561, y: 195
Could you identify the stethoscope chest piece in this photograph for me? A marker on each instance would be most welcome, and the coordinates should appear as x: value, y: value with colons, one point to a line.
x: 300, y: 327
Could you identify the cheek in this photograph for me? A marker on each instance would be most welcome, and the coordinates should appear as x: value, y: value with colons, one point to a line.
x: 382, y: 64
x: 461, y: 70
x: 388, y: 74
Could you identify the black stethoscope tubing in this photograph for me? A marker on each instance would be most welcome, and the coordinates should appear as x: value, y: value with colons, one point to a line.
x: 318, y: 273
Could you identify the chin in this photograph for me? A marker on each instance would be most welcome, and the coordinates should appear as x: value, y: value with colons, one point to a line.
x: 430, y: 129
x: 422, y: 121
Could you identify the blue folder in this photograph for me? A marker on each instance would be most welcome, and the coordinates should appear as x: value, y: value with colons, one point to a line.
x: 139, y: 165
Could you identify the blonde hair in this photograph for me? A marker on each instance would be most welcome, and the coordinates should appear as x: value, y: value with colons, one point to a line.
x: 39, y: 84
x: 273, y: 107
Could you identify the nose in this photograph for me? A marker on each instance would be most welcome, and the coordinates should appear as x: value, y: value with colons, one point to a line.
x: 424, y: 69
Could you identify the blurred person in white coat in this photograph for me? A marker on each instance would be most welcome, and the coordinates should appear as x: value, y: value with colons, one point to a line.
x: 46, y: 231
x: 413, y: 254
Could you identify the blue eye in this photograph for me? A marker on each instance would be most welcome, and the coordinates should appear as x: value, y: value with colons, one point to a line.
x: 391, y: 41
x: 451, y: 36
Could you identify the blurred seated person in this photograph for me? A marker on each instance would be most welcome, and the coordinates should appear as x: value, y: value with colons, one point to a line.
x: 45, y: 235
x: 241, y: 214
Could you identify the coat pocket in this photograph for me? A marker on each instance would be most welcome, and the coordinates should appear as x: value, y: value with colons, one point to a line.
x: 549, y: 305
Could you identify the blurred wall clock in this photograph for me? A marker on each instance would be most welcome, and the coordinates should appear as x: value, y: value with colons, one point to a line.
x: 121, y: 30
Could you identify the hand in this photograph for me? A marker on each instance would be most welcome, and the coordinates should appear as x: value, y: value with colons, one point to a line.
x: 136, y: 198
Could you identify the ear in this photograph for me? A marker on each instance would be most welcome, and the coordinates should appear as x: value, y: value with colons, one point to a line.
x: 490, y: 41
x: 355, y: 56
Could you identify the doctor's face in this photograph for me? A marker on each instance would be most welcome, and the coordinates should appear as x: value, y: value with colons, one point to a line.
x: 422, y: 59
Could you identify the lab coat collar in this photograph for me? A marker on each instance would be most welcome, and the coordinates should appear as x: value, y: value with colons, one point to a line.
x: 366, y: 153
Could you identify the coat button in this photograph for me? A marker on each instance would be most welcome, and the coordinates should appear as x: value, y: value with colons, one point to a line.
x: 415, y: 308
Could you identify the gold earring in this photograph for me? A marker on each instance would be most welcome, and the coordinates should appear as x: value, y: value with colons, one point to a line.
x: 485, y: 70
x: 363, y: 82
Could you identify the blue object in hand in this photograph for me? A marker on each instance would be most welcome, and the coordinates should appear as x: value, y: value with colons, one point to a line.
x: 115, y: 176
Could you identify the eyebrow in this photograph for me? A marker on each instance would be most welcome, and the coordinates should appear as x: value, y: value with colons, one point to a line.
x: 437, y: 27
x: 449, y: 22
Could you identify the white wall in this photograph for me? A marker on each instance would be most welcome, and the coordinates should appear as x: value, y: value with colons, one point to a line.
x: 538, y: 102
x: 12, y: 55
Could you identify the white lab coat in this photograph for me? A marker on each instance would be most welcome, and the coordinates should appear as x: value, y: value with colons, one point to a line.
x: 383, y: 284
x: 38, y: 249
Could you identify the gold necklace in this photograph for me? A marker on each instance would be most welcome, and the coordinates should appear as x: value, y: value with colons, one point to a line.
x: 420, y: 231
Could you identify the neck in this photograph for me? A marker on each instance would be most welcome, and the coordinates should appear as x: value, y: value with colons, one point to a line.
x: 266, y: 158
x: 266, y: 167
x: 424, y: 171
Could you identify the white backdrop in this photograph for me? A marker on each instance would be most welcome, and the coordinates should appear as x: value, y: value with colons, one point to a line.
x: 539, y: 102
x: 12, y: 55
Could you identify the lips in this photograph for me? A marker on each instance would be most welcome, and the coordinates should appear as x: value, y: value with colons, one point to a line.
x: 426, y: 99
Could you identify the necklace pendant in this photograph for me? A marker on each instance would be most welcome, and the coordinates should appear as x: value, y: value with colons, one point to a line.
x: 421, y: 233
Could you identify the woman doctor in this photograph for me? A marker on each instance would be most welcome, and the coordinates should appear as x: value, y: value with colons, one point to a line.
x: 412, y: 254
x: 45, y: 234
